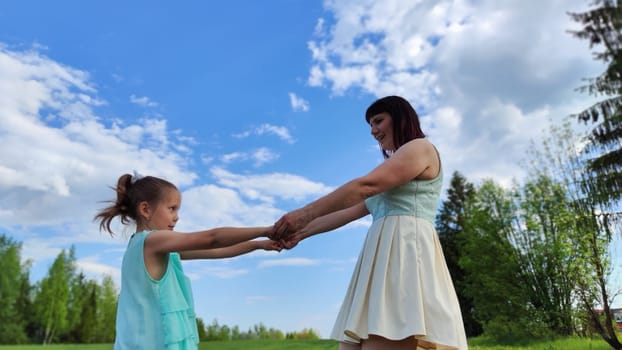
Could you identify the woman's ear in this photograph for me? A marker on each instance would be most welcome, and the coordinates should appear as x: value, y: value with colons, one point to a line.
x: 144, y: 210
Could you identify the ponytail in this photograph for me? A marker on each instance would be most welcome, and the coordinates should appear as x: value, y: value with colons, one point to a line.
x: 131, y: 190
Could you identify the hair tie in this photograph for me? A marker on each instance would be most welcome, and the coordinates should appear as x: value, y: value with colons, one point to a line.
x: 135, y: 177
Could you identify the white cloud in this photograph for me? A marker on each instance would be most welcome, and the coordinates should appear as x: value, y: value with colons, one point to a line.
x: 260, y: 156
x: 223, y: 271
x: 280, y: 131
x: 59, y: 157
x: 142, y: 101
x: 263, y: 155
x: 298, y: 103
x: 230, y: 157
x: 485, y: 91
x: 267, y: 186
x: 96, y: 271
x: 288, y: 262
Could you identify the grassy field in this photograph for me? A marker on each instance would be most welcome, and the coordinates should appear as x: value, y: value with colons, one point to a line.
x: 474, y: 344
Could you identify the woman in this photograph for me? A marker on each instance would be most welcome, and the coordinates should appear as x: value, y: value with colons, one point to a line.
x: 401, y: 295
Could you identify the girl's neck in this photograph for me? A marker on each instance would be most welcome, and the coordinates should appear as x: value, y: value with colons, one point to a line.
x: 143, y: 228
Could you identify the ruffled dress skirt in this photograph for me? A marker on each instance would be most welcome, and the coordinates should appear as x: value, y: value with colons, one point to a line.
x: 401, y: 287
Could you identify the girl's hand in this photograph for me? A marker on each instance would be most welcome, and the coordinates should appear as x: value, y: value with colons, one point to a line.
x: 268, y: 244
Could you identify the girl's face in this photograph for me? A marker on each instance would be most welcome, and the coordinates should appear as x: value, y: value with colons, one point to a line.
x: 165, y: 214
x: 382, y: 130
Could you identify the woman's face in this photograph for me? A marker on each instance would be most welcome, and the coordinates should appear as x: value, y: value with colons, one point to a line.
x: 382, y: 130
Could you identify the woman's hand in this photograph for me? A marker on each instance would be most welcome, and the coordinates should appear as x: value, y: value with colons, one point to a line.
x: 292, y: 240
x: 290, y: 223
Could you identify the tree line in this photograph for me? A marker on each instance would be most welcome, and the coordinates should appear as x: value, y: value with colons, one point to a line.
x: 64, y: 306
x: 216, y: 331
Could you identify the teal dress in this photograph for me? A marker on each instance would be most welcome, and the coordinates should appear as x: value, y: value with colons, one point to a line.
x: 401, y: 285
x: 154, y: 314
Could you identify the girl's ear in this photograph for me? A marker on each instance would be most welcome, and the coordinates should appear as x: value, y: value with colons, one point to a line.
x: 144, y: 210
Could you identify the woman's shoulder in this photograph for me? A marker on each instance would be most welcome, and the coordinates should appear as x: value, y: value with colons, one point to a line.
x: 425, y: 155
x: 419, y: 145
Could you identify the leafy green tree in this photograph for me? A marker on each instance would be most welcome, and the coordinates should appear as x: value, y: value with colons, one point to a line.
x: 450, y: 226
x: 517, y: 252
x: 215, y: 331
x: 12, y: 286
x: 494, y: 276
x: 602, y: 176
x: 547, y: 256
x: 51, y: 300
x: 235, y: 332
x: 592, y: 231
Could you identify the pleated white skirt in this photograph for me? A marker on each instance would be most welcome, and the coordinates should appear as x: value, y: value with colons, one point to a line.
x: 401, y: 287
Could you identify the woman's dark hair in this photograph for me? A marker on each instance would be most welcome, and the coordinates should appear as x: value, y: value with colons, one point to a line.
x: 406, y: 125
x: 130, y: 192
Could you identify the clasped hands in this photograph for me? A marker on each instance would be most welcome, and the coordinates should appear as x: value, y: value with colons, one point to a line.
x: 286, y: 230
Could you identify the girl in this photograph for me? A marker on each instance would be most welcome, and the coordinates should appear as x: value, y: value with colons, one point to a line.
x: 401, y: 295
x: 156, y: 308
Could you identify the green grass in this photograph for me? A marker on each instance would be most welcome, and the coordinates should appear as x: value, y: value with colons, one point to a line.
x: 572, y: 343
x: 212, y: 345
x: 58, y: 347
x: 270, y: 345
x: 474, y: 344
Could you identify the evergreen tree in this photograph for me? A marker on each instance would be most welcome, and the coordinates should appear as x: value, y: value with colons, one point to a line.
x: 450, y: 226
x: 602, y: 26
x: 25, y: 304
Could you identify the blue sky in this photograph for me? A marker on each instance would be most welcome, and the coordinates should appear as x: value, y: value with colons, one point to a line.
x: 254, y: 108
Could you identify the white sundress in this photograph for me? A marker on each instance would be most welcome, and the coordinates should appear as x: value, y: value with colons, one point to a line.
x: 401, y: 286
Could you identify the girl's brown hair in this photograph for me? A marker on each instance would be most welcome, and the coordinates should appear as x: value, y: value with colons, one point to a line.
x: 131, y: 191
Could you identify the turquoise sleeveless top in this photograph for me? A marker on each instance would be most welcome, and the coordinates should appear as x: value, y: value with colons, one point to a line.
x: 154, y: 314
x: 416, y: 197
